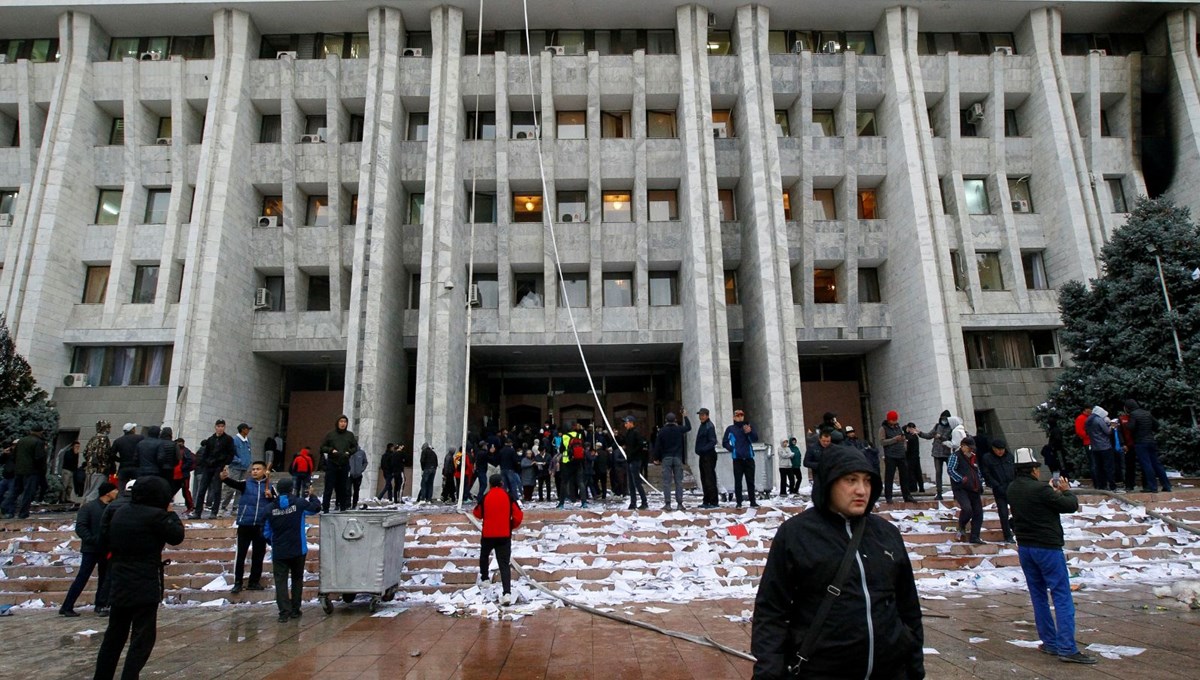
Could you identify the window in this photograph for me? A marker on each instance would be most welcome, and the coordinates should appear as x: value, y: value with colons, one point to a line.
x: 481, y: 126
x: 728, y: 209
x: 353, y: 209
x: 823, y: 124
x: 572, y: 42
x: 860, y: 42
x: 274, y: 284
x: 865, y: 124
x: 156, y: 206
x: 95, y: 284
x: 358, y: 125
x: 414, y: 291
x: 8, y: 202
x: 318, y: 293
x: 315, y: 125
x: 526, y: 208
x: 116, y: 133
x: 615, y: 125
x: 777, y: 42
x: 782, y: 129
x: 573, y: 291
x: 1007, y: 349
x: 618, y: 289
x: 572, y: 125
x: 528, y: 290
x: 957, y: 271
x: 40, y: 50
x: 1019, y: 194
x: 416, y: 209
x: 868, y: 204
x: 489, y: 290
x: 990, y: 276
x: 664, y: 289
x: 616, y: 207
x: 1011, y: 129
x: 193, y: 46
x: 731, y: 287
x: 272, y: 206
x: 1105, y: 130
x: 271, y: 130
x: 108, y: 208
x: 524, y: 125
x: 318, y: 211
x: 976, y: 197
x: 787, y: 205
x: 967, y: 124
x: 120, y: 48
x: 824, y: 205
x: 722, y: 123
x: 868, y: 285
x: 825, y: 286
x: 418, y: 127
x: 164, y: 127
x: 1117, y: 192
x: 663, y: 205
x: 1033, y: 262
x: 485, y: 208
x: 145, y: 282
x: 719, y: 43
x: 572, y: 206
x: 660, y: 42
x: 123, y: 365
x: 660, y: 124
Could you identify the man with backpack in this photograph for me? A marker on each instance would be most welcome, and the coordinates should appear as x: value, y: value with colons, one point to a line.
x: 302, y: 471
x: 573, y: 453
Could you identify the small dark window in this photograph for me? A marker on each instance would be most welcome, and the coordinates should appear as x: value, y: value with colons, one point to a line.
x: 318, y: 293
x: 145, y: 283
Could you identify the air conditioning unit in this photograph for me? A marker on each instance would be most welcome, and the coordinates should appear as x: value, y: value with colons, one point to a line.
x: 262, y: 298
x: 719, y: 131
x: 799, y: 46
x: 1020, y: 206
x: 6, y: 220
x: 75, y: 380
x: 975, y: 113
x: 1005, y: 50
x: 323, y: 133
x: 286, y: 54
x: 163, y: 141
x: 1048, y: 361
x: 556, y: 50
x: 311, y: 139
x: 1103, y: 53
x: 412, y: 52
x: 831, y: 47
x: 3, y: 58
x: 473, y: 298
x: 268, y: 221
x: 712, y: 19
x: 151, y: 56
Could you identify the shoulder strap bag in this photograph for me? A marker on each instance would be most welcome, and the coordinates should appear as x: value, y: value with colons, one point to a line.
x: 832, y: 592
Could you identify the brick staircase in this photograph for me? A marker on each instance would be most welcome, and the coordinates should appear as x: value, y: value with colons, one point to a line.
x: 608, y: 548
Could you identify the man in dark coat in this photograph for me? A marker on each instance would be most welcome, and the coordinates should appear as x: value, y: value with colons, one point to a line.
x: 996, y: 466
x: 87, y: 527
x: 706, y: 452
x: 215, y: 453
x: 738, y: 440
x: 156, y: 456
x: 873, y: 630
x: 670, y: 451
x: 29, y: 456
x: 634, y: 446
x: 336, y: 449
x: 1143, y: 426
x: 125, y: 453
x: 135, y: 535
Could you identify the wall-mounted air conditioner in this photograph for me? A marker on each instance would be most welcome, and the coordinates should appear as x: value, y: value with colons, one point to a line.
x: 6, y: 220
x: 163, y: 141
x: 285, y: 54
x: 412, y: 52
x: 473, y: 298
x: 151, y: 56
x: 719, y: 131
x: 3, y: 58
x: 311, y: 139
x: 262, y: 298
x: 831, y: 47
x: 1004, y: 50
x: 556, y: 50
x: 268, y: 221
x: 799, y: 46
x: 1103, y: 53
x: 712, y: 19
x: 975, y: 113
x: 1048, y: 361
x: 1020, y: 206
x: 75, y: 380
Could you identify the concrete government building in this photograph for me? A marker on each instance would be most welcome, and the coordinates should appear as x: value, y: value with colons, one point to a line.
x: 261, y: 210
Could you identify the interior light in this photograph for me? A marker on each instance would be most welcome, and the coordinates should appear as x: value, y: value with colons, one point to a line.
x: 529, y: 206
x: 616, y: 205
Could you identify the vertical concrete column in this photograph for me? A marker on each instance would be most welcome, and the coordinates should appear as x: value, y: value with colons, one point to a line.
x: 802, y: 193
x: 22, y: 230
x: 770, y: 365
x: 441, y: 343
x: 1183, y: 97
x: 184, y: 122
x: 923, y: 369
x: 376, y: 363
x: 45, y: 254
x: 339, y: 296
x: 138, y: 127
x: 1011, y: 266
x: 214, y: 373
x: 291, y: 126
x: 847, y: 282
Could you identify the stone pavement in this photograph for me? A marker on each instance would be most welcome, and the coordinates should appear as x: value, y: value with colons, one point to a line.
x: 198, y: 643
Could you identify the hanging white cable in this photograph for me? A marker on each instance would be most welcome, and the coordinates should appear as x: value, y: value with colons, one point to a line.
x: 554, y: 242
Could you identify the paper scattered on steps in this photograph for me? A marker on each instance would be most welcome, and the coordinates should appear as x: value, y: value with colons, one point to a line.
x: 1114, y: 651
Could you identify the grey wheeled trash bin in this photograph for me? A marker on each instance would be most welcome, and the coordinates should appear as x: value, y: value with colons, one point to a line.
x: 361, y: 552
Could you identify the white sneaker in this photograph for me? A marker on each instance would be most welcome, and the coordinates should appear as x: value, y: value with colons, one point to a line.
x: 506, y: 599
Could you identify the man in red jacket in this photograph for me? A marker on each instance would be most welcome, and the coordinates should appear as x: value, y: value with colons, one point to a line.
x: 500, y: 514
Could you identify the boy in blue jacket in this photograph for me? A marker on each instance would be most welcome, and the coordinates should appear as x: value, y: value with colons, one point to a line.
x: 253, y: 505
x: 285, y: 531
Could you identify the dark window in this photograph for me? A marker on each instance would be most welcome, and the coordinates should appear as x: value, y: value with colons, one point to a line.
x: 1007, y: 349
x: 484, y: 206
x: 957, y: 271
x: 990, y: 275
x: 318, y: 211
x: 528, y: 290
x: 145, y: 283
x: 271, y: 131
x: 482, y: 126
x: 418, y: 127
x: 1035, y: 270
x: 1011, y: 129
x: 357, y: 125
x: 416, y: 208
x: 868, y: 285
x: 116, y: 133
x: 108, y: 208
x: 272, y: 206
x: 825, y: 286
x: 865, y: 124
x: 868, y: 204
x: 731, y: 287
x: 278, y: 299
x: 318, y: 293
x: 414, y: 291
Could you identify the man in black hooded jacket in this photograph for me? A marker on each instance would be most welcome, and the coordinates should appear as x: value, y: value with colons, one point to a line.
x: 873, y: 630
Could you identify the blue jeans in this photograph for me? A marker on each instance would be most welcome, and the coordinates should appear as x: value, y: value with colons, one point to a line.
x: 1046, y: 569
x: 426, y: 493
x: 88, y: 563
x: 20, y: 495
x: 1152, y: 469
x: 512, y: 484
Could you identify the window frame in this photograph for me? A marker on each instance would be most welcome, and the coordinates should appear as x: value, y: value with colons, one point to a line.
x: 100, y: 205
x: 615, y: 278
x: 145, y: 284
x: 151, y: 196
x: 95, y: 284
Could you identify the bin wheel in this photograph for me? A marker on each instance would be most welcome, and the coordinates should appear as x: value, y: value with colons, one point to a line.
x: 326, y: 605
x: 349, y: 597
x: 374, y: 606
x: 389, y: 596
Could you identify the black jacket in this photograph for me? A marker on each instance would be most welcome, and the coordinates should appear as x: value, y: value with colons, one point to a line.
x: 672, y: 440
x: 804, y: 558
x: 125, y: 450
x: 87, y: 525
x: 429, y: 460
x: 706, y: 438
x: 634, y: 445
x: 1141, y: 424
x: 1035, y: 508
x: 387, y: 463
x: 509, y: 460
x: 136, y: 534
x: 997, y: 471
x: 156, y: 456
x: 218, y: 451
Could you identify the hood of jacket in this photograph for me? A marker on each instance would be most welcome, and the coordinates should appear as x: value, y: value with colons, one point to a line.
x: 1099, y: 411
x: 945, y: 417
x: 838, y: 461
x: 953, y: 421
x: 151, y: 490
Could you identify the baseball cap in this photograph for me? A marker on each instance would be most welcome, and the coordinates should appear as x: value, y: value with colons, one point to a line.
x: 630, y: 419
x: 849, y: 429
x: 999, y: 444
x: 129, y: 427
x: 702, y: 411
x: 243, y: 426
x: 739, y: 412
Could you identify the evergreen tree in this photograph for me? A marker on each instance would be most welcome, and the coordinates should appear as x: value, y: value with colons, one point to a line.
x: 22, y: 403
x: 1119, y: 333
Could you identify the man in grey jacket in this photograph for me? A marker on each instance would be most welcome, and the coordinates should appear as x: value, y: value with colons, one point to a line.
x: 1102, y: 451
x: 670, y: 450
